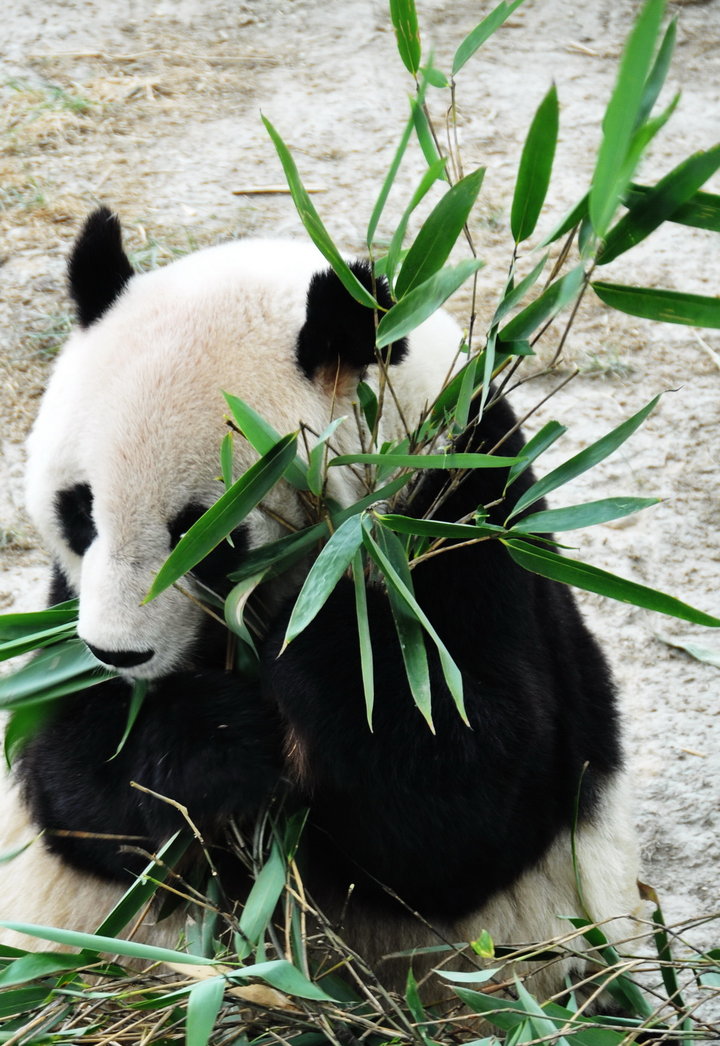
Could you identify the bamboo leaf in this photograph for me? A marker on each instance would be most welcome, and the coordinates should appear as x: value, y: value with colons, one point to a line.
x: 568, y: 571
x: 701, y: 211
x: 324, y: 575
x: 700, y: 651
x: 313, y: 224
x: 585, y: 460
x: 57, y: 667
x: 408, y: 628
x: 578, y: 516
x: 226, y: 459
x: 262, y: 901
x: 514, y: 294
x: 434, y: 172
x: 574, y: 217
x: 315, y: 476
x: 451, y: 672
x: 25, y: 626
x: 439, y: 233
x: 203, y: 1005
x: 535, y: 168
x: 621, y: 116
x: 426, y: 461
x: 482, y: 32
x: 366, y: 653
x: 423, y: 301
x: 437, y: 528
x: 658, y: 73
x: 222, y: 517
x: 407, y: 33
x: 532, y: 450
x: 137, y: 697
x: 694, y: 310
x: 263, y: 437
x: 285, y: 977
x: 659, y: 204
x: 548, y: 304
x: 368, y: 404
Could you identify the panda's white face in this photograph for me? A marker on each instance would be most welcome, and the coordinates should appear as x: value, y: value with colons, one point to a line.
x: 124, y: 454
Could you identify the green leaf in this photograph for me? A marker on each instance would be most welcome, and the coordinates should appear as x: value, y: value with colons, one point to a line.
x: 548, y: 304
x: 20, y: 1001
x: 659, y: 204
x: 701, y: 211
x: 585, y: 460
x: 482, y: 32
x: 53, y: 668
x: 203, y: 1006
x: 514, y: 294
x: 262, y: 901
x: 427, y: 461
x: 423, y: 301
x: 434, y: 172
x: 313, y: 224
x: 315, y: 471
x: 451, y: 672
x: 423, y: 133
x: 137, y: 697
x: 278, y: 555
x: 34, y: 965
x: 621, y: 117
x: 658, y: 73
x: 532, y: 450
x: 535, y: 167
x: 113, y: 945
x: 437, y: 528
x: 574, y: 217
x: 366, y: 653
x: 582, y: 575
x: 137, y: 896
x: 23, y: 723
x: 694, y: 310
x: 368, y: 404
x: 470, y: 976
x: 16, y: 647
x: 408, y: 628
x: 578, y: 516
x: 324, y: 575
x: 226, y: 459
x: 407, y: 33
x: 439, y: 233
x: 222, y: 517
x: 263, y: 437
x: 415, y: 104
x: 542, y: 1025
x: 23, y: 626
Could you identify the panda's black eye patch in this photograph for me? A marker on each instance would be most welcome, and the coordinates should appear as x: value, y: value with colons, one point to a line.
x: 74, y: 510
x: 186, y: 518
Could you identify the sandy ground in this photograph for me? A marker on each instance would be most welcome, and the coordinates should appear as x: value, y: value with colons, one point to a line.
x: 152, y: 107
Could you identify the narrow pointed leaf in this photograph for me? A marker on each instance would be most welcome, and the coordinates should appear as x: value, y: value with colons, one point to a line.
x: 532, y: 450
x: 366, y: 652
x: 574, y: 217
x: 315, y: 471
x: 278, y: 555
x: 203, y: 1005
x: 701, y: 211
x: 453, y: 676
x: 482, y: 32
x: 263, y: 437
x: 581, y: 575
x: 313, y: 223
x: 439, y: 234
x: 659, y: 204
x: 368, y: 404
x: 551, y: 301
x: 461, y: 460
x: 694, y: 310
x: 137, y: 698
x: 585, y: 460
x: 434, y: 172
x: 324, y: 575
x: 535, y: 168
x: 262, y: 900
x: 424, y: 135
x: 282, y: 975
x: 226, y: 459
x: 621, y: 116
x: 33, y: 965
x: 423, y: 301
x: 658, y: 73
x: 24, y: 626
x: 55, y: 666
x: 407, y: 33
x: 437, y: 528
x: 16, y: 647
x: 222, y: 517
x: 514, y: 295
x: 578, y: 516
x: 112, y: 945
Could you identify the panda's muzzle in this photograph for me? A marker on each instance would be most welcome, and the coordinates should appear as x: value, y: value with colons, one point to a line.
x: 121, y: 658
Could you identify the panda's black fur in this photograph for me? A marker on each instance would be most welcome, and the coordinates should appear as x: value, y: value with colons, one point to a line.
x: 438, y: 822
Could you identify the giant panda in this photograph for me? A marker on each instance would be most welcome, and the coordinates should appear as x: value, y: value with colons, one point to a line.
x: 412, y: 836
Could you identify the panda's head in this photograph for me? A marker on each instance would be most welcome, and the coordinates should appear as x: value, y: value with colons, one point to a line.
x: 124, y: 455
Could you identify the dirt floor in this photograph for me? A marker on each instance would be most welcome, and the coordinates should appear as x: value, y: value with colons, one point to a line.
x: 153, y: 107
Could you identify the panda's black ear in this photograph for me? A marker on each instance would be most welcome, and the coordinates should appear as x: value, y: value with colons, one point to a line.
x: 339, y: 332
x: 98, y: 268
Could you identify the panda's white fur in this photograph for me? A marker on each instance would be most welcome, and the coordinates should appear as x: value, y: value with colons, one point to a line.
x: 135, y: 404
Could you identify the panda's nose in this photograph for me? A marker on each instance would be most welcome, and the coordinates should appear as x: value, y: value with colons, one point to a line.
x: 121, y: 658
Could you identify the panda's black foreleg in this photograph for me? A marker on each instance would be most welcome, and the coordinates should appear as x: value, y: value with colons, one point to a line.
x: 204, y: 740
